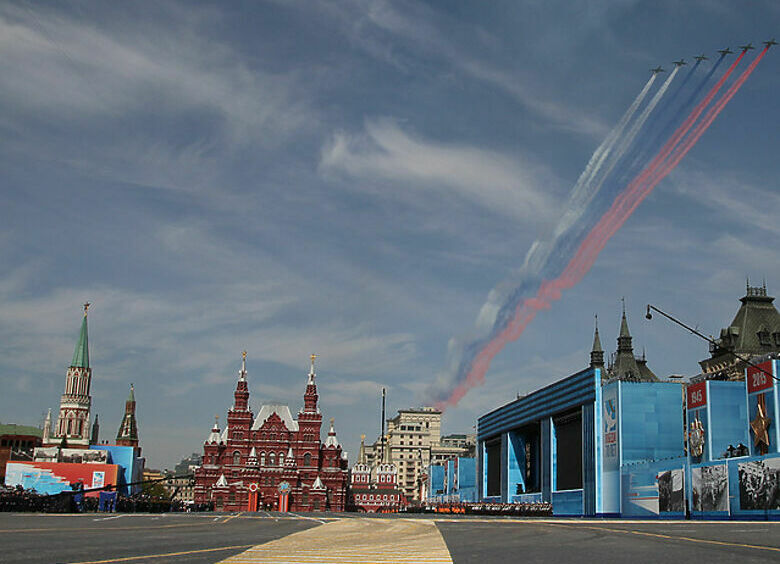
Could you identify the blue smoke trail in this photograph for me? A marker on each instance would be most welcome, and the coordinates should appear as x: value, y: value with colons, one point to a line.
x: 643, y: 151
x: 547, y: 257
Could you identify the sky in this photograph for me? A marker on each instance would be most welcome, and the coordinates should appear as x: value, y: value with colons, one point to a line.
x: 349, y: 178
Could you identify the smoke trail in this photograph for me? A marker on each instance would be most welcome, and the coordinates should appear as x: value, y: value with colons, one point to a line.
x: 599, y: 237
x: 626, y: 142
x: 475, y: 364
x: 709, y: 117
x: 493, y: 313
x: 667, y: 129
x: 583, y: 192
x: 650, y: 142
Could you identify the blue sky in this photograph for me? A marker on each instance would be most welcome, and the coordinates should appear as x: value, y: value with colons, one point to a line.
x: 349, y: 178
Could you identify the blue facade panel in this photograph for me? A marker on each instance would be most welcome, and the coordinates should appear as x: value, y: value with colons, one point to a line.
x: 567, y: 503
x: 651, y: 421
x: 730, y: 424
x: 436, y: 480
x: 559, y: 397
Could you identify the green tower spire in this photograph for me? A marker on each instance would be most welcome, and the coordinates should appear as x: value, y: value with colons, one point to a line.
x: 81, y: 354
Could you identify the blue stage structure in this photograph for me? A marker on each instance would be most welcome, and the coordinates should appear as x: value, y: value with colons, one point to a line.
x: 655, y: 449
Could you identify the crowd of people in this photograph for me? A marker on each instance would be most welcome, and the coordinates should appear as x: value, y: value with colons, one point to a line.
x: 542, y: 509
x: 18, y: 499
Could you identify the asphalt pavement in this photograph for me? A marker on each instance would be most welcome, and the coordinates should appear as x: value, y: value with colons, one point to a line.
x: 168, y: 537
x: 201, y: 538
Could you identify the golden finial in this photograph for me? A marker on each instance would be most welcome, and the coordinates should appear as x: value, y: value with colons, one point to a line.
x: 313, y: 356
x: 362, y: 438
x: 243, y: 355
x: 86, y: 307
x: 332, y: 420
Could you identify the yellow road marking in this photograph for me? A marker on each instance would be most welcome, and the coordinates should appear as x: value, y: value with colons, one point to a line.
x: 165, y: 555
x: 670, y: 537
x: 232, y: 517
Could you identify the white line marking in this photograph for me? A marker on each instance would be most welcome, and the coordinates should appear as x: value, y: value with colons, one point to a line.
x: 109, y: 518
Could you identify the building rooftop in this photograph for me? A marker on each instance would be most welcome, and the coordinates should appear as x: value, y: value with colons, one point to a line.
x: 14, y: 429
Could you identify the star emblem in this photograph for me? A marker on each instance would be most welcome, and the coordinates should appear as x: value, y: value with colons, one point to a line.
x: 760, y: 425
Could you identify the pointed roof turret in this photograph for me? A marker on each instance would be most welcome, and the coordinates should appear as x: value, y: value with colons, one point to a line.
x: 289, y: 460
x: 597, y: 353
x: 625, y: 365
x: 241, y: 395
x: 252, y: 460
x: 331, y: 441
x: 221, y: 482
x: 214, y: 435
x: 362, y: 451
x: 318, y: 485
x: 312, y: 373
x: 47, y: 426
x: 95, y: 438
x: 242, y: 372
x: 81, y: 353
x: 310, y: 397
x: 128, y: 429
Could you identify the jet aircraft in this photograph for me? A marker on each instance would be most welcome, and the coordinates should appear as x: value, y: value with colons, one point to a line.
x: 770, y: 42
x: 680, y: 63
x: 747, y: 47
x: 701, y: 58
x: 726, y: 51
x: 657, y: 69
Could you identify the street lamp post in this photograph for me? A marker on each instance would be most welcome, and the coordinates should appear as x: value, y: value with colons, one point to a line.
x: 710, y: 340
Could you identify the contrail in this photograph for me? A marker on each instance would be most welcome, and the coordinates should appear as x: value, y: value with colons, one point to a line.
x: 639, y: 154
x: 627, y: 141
x: 582, y: 193
x: 539, y: 255
x: 476, y: 362
x: 709, y: 117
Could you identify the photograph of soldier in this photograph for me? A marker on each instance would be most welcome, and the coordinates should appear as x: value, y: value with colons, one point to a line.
x: 670, y: 491
x: 710, y: 486
x: 759, y: 484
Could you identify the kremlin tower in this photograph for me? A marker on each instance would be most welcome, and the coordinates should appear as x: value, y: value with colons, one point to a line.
x: 128, y: 430
x: 72, y: 427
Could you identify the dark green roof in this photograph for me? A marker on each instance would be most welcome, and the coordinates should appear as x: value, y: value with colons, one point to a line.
x: 757, y: 314
x: 81, y: 354
x: 13, y: 429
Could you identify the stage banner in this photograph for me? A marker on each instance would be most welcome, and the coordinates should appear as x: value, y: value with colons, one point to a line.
x: 710, y: 488
x: 759, y: 484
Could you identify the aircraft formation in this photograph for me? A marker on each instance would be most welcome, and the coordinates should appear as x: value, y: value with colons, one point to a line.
x: 723, y: 53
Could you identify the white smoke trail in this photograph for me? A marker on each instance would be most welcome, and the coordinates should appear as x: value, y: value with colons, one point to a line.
x: 539, y: 255
x: 583, y: 192
x: 628, y: 139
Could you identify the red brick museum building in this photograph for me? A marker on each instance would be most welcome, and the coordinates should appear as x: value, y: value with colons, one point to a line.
x: 272, y: 461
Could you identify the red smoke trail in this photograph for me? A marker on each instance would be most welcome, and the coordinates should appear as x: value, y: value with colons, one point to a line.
x: 622, y: 208
x: 628, y: 200
x: 693, y: 138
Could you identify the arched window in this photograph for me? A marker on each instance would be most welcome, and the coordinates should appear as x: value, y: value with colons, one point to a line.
x: 281, y: 459
x: 272, y: 459
x: 236, y: 458
x: 307, y: 459
x: 262, y: 459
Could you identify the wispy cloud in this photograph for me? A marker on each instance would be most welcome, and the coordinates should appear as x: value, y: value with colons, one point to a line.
x: 58, y: 65
x: 504, y: 185
x: 418, y: 24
